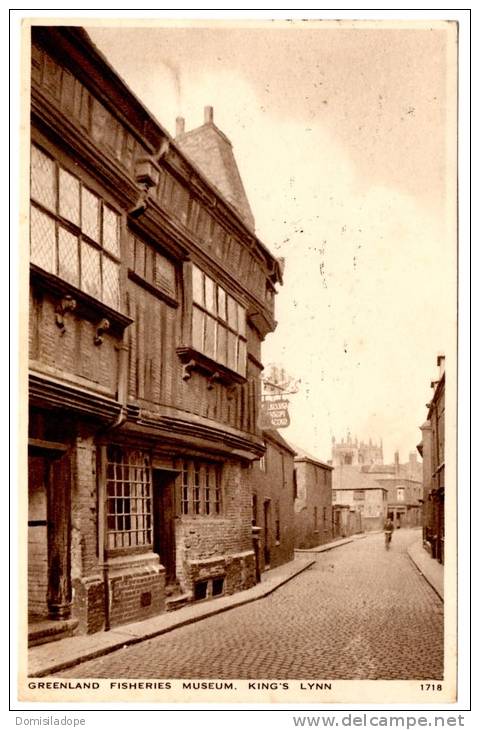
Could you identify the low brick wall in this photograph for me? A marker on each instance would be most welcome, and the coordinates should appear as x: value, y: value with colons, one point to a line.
x: 137, y: 588
x: 237, y: 570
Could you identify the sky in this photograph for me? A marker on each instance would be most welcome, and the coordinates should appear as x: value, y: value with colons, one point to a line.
x: 343, y: 138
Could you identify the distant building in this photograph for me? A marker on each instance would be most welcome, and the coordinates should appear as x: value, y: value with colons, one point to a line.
x: 403, y: 482
x: 432, y: 449
x: 346, y: 520
x: 363, y: 494
x: 313, y: 500
x: 351, y: 452
x: 272, y: 482
x: 404, y: 492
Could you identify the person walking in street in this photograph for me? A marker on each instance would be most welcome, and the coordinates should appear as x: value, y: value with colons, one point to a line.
x: 388, y: 529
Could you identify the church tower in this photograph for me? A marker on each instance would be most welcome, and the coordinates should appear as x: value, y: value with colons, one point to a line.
x: 351, y: 452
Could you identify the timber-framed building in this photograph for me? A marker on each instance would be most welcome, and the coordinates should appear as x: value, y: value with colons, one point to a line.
x: 150, y: 296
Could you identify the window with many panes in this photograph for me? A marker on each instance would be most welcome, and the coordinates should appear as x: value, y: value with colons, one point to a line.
x: 129, y: 498
x: 201, y: 490
x: 74, y: 234
x: 218, y: 323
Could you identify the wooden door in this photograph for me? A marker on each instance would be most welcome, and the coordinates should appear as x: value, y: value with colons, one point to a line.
x: 50, y: 496
x: 164, y: 521
x: 37, y: 536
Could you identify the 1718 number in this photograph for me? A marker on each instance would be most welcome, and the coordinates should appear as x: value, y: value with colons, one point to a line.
x: 431, y: 687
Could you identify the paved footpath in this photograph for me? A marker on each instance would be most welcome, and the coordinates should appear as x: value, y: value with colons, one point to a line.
x: 359, y: 612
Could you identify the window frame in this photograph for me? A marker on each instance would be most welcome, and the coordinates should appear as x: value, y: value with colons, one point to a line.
x: 128, y: 466
x: 198, y: 490
x: 223, y: 310
x: 77, y: 230
x: 151, y: 278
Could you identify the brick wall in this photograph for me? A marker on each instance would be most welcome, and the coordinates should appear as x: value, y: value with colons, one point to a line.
x: 73, y: 352
x: 87, y: 580
x: 137, y: 588
x: 314, y: 497
x: 274, y: 484
x: 222, y: 544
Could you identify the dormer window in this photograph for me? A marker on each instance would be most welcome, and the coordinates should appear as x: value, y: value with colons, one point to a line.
x: 74, y: 234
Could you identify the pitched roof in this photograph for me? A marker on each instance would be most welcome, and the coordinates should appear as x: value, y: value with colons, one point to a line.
x: 273, y: 435
x: 303, y: 455
x: 210, y: 149
x: 351, y: 477
x: 379, y: 468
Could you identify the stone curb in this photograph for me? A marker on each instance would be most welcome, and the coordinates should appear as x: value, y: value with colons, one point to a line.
x: 131, y: 640
x: 330, y: 546
x: 424, y: 573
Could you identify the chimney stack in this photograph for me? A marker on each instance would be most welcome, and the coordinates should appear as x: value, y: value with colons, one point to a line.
x: 397, y: 463
x: 441, y: 365
x: 179, y: 126
x: 208, y: 115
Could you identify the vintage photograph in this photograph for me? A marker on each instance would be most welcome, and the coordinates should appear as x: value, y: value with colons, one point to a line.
x: 241, y: 246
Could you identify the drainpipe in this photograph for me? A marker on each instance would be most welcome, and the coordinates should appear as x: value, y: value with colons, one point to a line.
x: 122, y: 397
x: 102, y: 535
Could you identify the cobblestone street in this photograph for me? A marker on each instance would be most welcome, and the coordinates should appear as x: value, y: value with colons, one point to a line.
x: 358, y: 613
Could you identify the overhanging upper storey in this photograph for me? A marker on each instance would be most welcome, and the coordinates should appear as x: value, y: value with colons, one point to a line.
x: 80, y: 102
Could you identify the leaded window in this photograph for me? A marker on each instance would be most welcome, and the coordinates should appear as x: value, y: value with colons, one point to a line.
x: 218, y: 323
x: 74, y: 234
x: 129, y: 498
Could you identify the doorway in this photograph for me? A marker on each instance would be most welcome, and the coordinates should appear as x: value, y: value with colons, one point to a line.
x: 37, y: 537
x: 164, y: 513
x: 49, y: 510
x: 266, y: 533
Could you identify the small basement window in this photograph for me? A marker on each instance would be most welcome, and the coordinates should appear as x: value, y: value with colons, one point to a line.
x: 217, y: 586
x: 200, y: 590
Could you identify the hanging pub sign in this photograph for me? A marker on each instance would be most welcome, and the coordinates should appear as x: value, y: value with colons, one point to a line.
x: 273, y: 414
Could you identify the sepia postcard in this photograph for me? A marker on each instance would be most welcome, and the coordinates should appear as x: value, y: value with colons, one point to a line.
x: 239, y: 248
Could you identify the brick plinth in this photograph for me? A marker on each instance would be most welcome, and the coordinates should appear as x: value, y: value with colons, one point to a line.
x: 137, y: 588
x: 237, y: 570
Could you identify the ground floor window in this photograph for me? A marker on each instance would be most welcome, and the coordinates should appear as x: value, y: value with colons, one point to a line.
x: 201, y: 489
x: 129, y: 498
